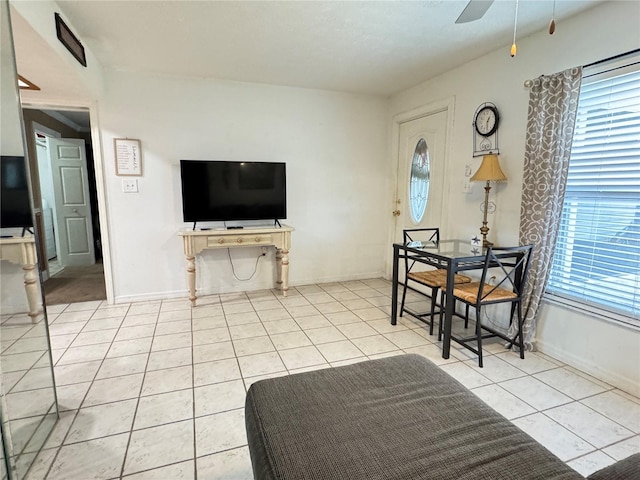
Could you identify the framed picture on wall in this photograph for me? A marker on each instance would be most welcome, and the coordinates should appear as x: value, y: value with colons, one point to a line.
x: 128, y: 157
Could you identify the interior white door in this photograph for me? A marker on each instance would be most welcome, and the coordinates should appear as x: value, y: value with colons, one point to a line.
x: 47, y: 195
x: 74, y: 230
x: 421, y: 173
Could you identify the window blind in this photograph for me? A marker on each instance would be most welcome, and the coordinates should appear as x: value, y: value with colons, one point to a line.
x: 597, y: 256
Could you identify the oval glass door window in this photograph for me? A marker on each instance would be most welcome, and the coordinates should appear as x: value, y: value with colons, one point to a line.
x: 419, y: 181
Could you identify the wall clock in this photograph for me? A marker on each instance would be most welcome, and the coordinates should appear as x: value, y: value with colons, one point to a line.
x: 485, y: 130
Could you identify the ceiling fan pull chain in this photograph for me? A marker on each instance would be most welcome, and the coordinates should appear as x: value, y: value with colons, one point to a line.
x: 514, y: 49
x: 552, y: 23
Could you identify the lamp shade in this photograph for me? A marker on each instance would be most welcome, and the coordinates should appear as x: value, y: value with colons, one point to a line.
x: 489, y: 170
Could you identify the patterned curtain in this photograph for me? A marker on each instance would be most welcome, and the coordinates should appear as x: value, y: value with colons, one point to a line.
x: 553, y: 103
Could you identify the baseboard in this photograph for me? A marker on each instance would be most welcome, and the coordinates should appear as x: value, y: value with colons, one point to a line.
x: 147, y: 297
x: 338, y: 278
x: 628, y: 385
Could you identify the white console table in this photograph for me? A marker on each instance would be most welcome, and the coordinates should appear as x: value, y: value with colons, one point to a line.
x: 22, y: 251
x: 195, y: 241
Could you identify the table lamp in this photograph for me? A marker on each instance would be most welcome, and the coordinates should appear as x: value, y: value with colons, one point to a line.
x: 489, y: 171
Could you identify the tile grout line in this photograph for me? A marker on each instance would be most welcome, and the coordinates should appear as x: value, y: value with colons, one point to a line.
x: 193, y: 397
x: 287, y: 369
x: 608, y: 418
x: 77, y: 410
x: 130, y: 432
x: 268, y: 335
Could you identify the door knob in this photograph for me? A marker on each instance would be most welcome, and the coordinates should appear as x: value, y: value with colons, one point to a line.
x: 75, y: 210
x: 396, y: 213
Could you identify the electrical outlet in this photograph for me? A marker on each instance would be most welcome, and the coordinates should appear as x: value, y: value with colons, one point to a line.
x: 130, y: 185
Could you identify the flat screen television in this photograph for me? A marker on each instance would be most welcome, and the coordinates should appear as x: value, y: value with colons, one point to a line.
x: 221, y: 191
x: 15, y: 206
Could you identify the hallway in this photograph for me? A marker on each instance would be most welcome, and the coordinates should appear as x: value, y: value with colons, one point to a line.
x: 76, y: 284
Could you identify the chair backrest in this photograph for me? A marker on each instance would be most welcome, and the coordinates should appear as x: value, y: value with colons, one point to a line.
x: 424, y: 235
x: 514, y: 265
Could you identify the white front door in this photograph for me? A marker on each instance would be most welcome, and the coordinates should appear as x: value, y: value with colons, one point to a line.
x: 421, y: 173
x: 74, y: 233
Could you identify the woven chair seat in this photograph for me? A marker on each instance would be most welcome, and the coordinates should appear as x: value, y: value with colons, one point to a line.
x: 469, y: 293
x: 437, y: 278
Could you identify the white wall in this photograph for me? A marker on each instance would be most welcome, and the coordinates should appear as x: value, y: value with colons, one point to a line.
x: 84, y: 83
x: 10, y: 121
x: 334, y: 145
x: 607, y: 30
x: 608, y: 350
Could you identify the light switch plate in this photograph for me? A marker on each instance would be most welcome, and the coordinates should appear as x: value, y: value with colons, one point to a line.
x: 130, y: 185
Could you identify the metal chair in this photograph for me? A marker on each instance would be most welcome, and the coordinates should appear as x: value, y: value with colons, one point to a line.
x: 435, y: 279
x: 513, y: 263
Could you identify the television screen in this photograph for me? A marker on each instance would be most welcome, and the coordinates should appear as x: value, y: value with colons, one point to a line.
x: 220, y: 191
x: 14, y: 203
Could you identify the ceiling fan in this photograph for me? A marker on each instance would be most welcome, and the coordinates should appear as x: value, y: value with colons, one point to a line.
x: 474, y: 10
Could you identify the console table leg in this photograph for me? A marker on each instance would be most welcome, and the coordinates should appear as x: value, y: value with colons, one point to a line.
x: 191, y: 279
x: 285, y: 272
x: 31, y: 288
x: 279, y: 268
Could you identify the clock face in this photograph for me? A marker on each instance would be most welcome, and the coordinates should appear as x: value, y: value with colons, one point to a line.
x: 487, y: 121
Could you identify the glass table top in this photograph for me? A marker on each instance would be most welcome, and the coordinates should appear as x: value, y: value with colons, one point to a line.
x: 455, y: 248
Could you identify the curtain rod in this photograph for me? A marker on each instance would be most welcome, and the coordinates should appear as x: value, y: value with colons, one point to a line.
x: 614, y: 57
x: 611, y: 69
x: 528, y: 83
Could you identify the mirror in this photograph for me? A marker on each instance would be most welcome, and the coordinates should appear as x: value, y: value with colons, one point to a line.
x: 28, y: 406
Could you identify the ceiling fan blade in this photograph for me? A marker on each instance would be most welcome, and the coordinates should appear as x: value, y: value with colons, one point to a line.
x: 474, y: 10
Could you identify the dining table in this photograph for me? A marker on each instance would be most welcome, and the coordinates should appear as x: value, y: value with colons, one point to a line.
x: 453, y: 255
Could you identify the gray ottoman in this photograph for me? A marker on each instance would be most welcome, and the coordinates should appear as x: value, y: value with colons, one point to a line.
x: 395, y: 418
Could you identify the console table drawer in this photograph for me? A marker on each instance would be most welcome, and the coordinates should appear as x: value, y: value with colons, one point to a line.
x: 238, y: 240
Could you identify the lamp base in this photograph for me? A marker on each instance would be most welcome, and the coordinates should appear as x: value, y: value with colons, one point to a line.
x: 484, y: 229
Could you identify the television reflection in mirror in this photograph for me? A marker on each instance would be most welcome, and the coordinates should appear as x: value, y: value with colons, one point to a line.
x: 14, y: 201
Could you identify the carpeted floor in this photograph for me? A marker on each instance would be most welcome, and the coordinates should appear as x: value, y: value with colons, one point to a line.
x: 76, y: 284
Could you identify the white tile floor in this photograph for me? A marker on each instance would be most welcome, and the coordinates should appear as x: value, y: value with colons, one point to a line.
x: 156, y: 390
